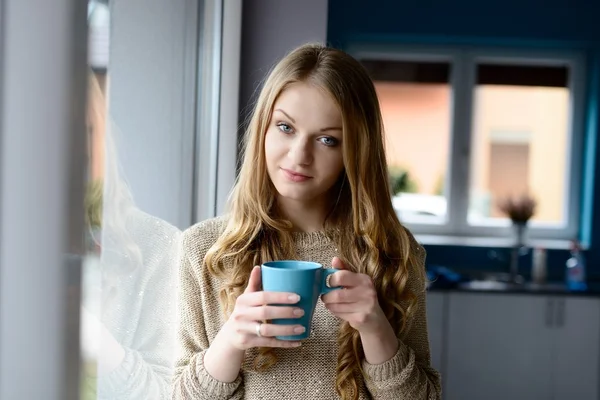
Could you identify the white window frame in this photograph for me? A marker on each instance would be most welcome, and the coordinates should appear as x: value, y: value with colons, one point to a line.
x: 216, y: 131
x: 464, y: 60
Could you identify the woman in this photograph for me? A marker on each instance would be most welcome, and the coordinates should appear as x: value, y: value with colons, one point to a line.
x: 313, y: 186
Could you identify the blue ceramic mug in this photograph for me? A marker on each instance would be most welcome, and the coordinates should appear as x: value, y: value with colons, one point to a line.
x: 306, y: 279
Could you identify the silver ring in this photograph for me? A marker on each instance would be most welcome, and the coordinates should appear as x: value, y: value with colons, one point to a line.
x: 327, y: 283
x: 258, y: 325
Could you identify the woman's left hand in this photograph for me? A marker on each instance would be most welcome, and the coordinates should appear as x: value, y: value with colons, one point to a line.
x: 357, y: 303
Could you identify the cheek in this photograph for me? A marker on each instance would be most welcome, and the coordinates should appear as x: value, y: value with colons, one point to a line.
x: 271, y: 147
x: 335, y: 162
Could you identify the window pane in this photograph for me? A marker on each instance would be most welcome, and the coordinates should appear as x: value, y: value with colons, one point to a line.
x: 415, y: 99
x: 520, y: 141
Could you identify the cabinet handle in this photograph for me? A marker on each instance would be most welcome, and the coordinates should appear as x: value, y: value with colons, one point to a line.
x: 560, y: 313
x: 549, y: 313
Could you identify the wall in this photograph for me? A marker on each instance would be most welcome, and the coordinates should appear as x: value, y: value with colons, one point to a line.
x: 562, y: 21
x: 271, y: 29
x: 559, y: 24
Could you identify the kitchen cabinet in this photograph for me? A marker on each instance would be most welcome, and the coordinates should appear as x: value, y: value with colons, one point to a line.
x: 436, y: 302
x: 576, y: 371
x: 521, y: 347
x: 498, y: 347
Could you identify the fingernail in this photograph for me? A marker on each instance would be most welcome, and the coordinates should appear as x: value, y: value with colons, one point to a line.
x: 297, y: 344
x: 300, y: 329
x: 294, y: 297
x: 299, y: 312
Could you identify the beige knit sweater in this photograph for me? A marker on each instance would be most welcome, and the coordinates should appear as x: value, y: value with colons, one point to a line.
x: 307, y: 372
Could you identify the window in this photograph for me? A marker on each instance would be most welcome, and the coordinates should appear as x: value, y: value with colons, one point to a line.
x: 415, y: 98
x: 519, y: 139
x: 467, y: 128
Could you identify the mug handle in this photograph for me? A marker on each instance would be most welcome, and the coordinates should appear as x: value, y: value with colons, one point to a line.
x: 324, y: 288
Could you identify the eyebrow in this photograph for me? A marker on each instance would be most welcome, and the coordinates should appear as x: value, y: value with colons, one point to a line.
x: 331, y: 128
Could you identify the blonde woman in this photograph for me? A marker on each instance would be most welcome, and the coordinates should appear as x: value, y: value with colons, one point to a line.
x: 313, y: 186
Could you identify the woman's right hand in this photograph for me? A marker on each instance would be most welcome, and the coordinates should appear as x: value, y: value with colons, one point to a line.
x: 224, y: 357
x: 245, y: 328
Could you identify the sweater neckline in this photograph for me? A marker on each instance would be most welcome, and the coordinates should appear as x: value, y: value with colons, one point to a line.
x: 311, y: 239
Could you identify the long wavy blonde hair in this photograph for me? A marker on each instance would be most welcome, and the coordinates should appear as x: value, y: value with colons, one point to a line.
x: 363, y: 223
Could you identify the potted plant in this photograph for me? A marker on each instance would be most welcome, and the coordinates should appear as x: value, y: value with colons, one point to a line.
x: 519, y: 209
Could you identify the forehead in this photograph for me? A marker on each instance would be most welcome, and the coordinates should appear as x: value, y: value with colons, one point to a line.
x: 308, y: 104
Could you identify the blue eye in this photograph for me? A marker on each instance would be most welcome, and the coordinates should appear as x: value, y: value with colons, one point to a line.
x: 285, y: 128
x: 329, y: 141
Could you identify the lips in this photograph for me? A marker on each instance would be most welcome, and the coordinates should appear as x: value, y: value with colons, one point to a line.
x: 294, y: 176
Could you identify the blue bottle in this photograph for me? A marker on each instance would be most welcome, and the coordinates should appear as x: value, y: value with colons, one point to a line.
x: 575, y: 274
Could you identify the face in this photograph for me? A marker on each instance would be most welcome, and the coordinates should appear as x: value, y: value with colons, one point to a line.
x: 303, y: 144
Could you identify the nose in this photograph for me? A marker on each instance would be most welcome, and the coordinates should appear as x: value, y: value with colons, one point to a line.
x: 301, y: 151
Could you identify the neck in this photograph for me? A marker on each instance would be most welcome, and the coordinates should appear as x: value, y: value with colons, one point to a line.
x: 305, y: 217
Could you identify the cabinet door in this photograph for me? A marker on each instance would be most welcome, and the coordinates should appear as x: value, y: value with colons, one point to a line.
x: 577, y: 348
x: 499, y: 347
x: 435, y: 327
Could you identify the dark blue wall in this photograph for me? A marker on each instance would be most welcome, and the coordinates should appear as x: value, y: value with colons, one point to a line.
x: 564, y: 24
x: 560, y: 21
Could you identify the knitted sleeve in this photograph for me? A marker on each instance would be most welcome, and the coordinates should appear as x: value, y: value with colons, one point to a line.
x: 191, y: 380
x: 408, y: 375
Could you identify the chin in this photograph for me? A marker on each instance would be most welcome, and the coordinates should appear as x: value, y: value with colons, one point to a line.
x: 296, y: 194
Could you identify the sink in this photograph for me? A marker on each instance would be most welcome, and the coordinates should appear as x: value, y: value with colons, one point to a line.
x: 496, y: 285
x: 546, y: 287
x: 490, y: 285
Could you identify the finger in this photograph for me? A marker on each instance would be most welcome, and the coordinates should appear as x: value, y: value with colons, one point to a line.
x: 346, y: 316
x: 255, y: 280
x: 272, y: 342
x: 342, y: 296
x: 254, y: 299
x: 272, y: 330
x: 345, y: 279
x: 272, y: 312
x: 342, y: 308
x: 338, y: 263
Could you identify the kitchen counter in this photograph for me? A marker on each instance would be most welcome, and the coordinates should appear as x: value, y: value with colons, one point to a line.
x: 490, y: 286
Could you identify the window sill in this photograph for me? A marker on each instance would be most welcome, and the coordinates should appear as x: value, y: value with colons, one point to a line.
x: 502, y: 242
